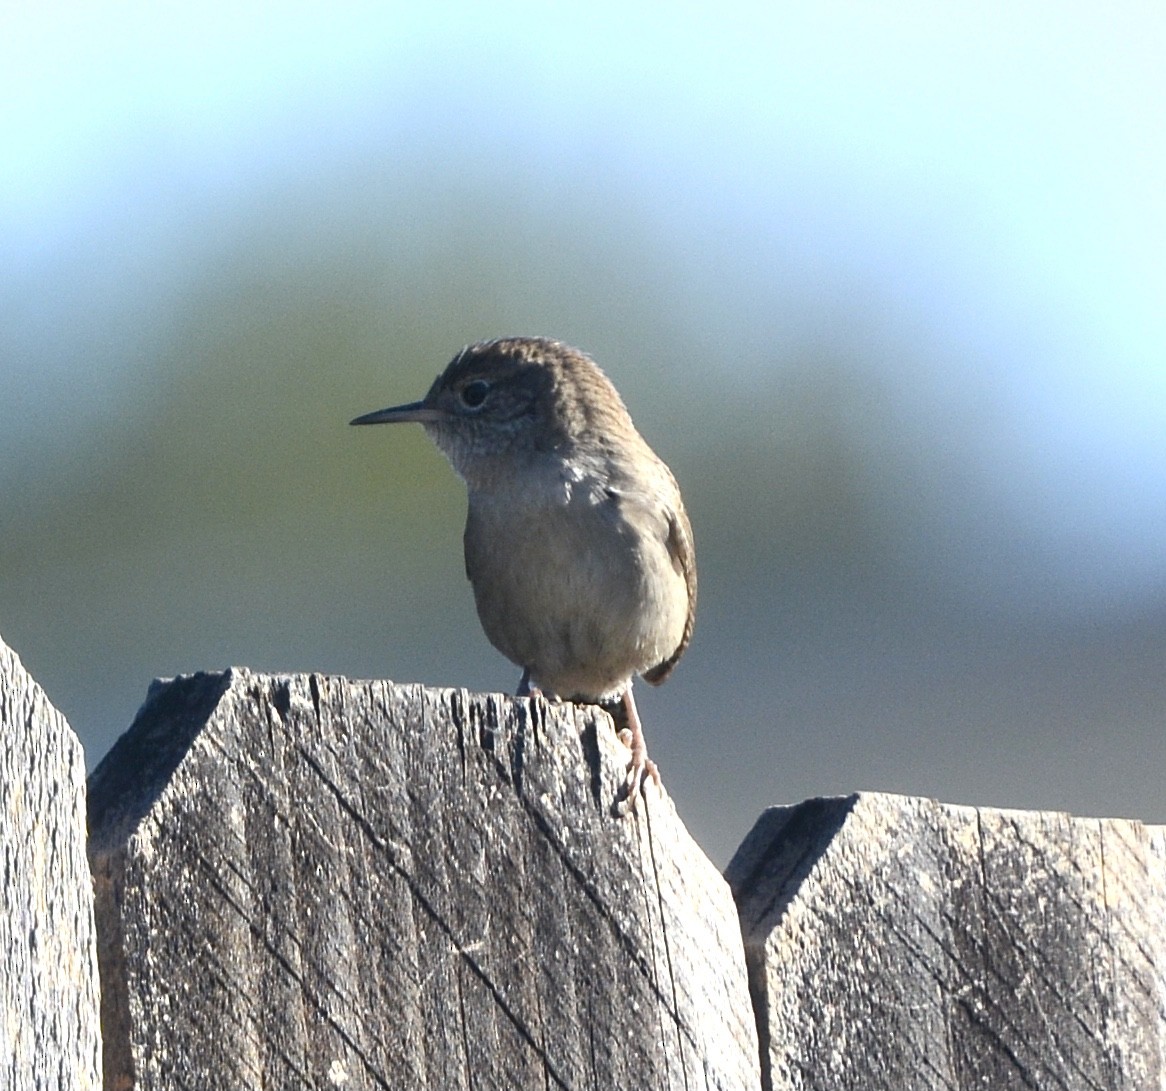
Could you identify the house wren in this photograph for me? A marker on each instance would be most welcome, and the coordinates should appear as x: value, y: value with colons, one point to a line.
x: 577, y: 542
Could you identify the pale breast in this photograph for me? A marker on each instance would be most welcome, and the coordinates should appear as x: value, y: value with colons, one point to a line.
x: 581, y: 590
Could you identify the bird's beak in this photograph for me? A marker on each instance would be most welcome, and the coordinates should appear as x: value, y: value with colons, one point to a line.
x: 414, y: 411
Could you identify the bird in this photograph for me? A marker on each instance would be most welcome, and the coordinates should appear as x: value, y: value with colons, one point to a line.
x: 577, y: 543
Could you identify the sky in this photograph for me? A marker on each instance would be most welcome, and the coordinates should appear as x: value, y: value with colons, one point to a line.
x: 963, y: 200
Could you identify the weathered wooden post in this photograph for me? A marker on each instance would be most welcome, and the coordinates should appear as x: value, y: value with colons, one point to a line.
x: 901, y: 943
x: 49, y: 1030
x: 309, y: 882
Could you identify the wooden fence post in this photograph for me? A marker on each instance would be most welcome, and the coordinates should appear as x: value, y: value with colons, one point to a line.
x: 49, y: 1029
x: 903, y: 943
x: 309, y: 882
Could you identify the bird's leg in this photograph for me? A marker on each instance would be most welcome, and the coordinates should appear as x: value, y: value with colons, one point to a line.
x: 525, y: 689
x: 641, y: 765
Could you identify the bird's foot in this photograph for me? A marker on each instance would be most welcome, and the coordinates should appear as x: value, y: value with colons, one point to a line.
x: 641, y: 767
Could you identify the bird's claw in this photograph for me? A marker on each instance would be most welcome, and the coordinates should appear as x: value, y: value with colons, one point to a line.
x: 640, y: 768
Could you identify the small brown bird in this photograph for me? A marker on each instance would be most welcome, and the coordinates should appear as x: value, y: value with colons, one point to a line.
x: 577, y: 543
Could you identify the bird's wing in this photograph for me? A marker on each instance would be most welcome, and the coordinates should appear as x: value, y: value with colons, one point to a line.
x: 683, y: 554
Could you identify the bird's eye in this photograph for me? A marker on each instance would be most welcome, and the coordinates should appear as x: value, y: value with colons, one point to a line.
x: 474, y: 393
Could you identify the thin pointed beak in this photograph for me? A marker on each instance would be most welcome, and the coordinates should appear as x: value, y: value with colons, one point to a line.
x: 414, y: 411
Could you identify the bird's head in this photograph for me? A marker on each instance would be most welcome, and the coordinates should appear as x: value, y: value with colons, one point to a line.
x: 501, y: 403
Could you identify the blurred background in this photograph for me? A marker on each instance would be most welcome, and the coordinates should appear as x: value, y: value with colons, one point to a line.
x: 885, y: 285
